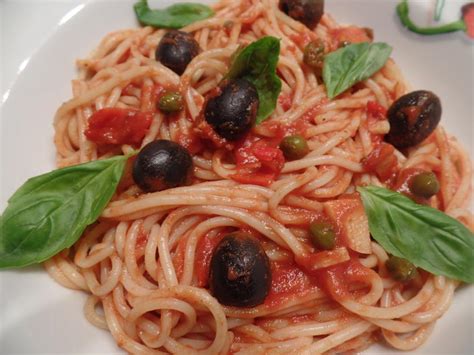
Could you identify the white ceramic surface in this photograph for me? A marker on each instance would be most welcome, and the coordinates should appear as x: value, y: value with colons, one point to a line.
x: 39, y: 316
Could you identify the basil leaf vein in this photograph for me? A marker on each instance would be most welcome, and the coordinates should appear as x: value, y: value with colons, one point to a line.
x: 349, y: 65
x: 427, y: 237
x: 257, y: 63
x: 50, y: 212
x: 174, y: 16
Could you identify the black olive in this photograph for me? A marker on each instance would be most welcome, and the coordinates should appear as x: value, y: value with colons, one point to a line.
x: 160, y: 165
x: 309, y: 12
x: 240, y: 271
x: 413, y: 117
x: 232, y: 112
x: 176, y: 49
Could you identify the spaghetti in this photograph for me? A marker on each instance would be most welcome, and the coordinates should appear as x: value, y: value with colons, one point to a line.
x: 145, y: 262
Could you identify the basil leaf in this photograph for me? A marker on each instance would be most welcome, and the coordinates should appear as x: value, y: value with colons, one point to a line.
x: 49, y: 212
x: 351, y: 64
x: 257, y: 63
x: 174, y: 16
x: 427, y: 237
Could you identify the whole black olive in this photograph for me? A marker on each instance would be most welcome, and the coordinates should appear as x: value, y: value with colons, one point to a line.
x: 232, y: 112
x: 240, y: 271
x: 176, y: 49
x: 413, y: 117
x: 160, y: 165
x: 309, y: 12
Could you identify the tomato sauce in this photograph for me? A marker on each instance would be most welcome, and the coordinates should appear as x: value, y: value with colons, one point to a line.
x: 116, y: 126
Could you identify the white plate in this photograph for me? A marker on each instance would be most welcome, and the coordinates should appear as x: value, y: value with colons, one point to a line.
x: 39, y: 316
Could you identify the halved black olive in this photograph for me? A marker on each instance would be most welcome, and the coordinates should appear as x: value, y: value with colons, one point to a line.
x: 160, y: 165
x: 413, y: 117
x: 232, y: 112
x: 309, y: 12
x: 240, y: 271
x: 176, y: 49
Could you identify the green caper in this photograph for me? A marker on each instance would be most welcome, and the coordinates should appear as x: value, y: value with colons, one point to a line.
x: 294, y: 147
x: 171, y: 101
x: 424, y: 185
x: 400, y: 269
x: 322, y: 235
x: 313, y: 56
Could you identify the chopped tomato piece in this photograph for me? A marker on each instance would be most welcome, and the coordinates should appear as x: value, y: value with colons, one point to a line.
x: 258, y: 161
x: 190, y: 141
x: 382, y: 161
x: 376, y: 111
x: 336, y: 279
x: 351, y: 34
x: 288, y: 280
x: 111, y: 126
x: 468, y: 17
x: 302, y: 39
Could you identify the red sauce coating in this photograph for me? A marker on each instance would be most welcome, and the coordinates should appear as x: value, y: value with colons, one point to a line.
x: 113, y: 126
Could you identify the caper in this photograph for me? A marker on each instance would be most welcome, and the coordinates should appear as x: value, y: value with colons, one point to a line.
x: 322, y: 235
x: 400, y: 269
x: 424, y: 184
x: 171, y: 101
x: 294, y: 147
x: 313, y: 56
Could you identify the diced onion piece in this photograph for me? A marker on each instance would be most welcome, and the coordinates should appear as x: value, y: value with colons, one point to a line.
x: 351, y: 222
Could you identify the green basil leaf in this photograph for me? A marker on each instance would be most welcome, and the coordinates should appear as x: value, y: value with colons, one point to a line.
x: 174, y: 16
x: 352, y: 64
x: 427, y: 237
x: 257, y: 63
x: 50, y: 212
